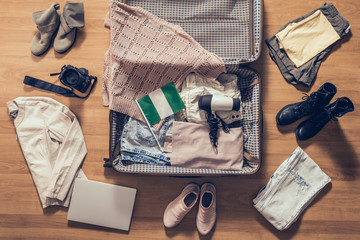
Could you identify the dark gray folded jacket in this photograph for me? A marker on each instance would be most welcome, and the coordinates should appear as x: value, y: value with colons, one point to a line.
x: 307, y: 72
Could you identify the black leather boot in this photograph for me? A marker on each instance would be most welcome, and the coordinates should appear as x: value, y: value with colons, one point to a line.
x: 311, y: 104
x: 313, y: 125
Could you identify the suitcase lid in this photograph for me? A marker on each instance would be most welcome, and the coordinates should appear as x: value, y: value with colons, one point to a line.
x: 229, y: 28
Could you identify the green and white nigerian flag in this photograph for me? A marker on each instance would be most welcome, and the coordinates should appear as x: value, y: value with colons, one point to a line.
x: 161, y: 103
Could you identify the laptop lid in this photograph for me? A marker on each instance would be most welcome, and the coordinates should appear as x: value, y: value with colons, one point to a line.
x: 101, y: 204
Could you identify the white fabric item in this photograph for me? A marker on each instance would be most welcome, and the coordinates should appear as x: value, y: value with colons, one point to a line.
x: 292, y: 187
x: 196, y: 86
x: 52, y: 143
x: 161, y: 103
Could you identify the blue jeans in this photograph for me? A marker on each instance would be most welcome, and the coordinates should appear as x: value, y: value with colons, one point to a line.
x: 138, y: 144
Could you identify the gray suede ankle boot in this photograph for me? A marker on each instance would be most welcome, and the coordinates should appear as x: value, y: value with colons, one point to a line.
x: 47, y: 22
x: 71, y: 18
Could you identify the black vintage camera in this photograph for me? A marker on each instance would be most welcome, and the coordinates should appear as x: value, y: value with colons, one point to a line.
x: 77, y: 78
x: 72, y: 77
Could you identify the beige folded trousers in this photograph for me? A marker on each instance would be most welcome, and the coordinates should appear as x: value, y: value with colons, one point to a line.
x: 53, y: 146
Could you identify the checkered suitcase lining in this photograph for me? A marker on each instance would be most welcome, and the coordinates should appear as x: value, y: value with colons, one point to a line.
x: 223, y: 27
x: 250, y: 123
x: 227, y: 49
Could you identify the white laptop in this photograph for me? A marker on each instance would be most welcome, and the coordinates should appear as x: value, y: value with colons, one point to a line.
x: 101, y: 204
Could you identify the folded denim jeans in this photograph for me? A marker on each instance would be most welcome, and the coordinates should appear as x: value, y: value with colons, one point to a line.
x: 292, y: 187
x: 138, y: 145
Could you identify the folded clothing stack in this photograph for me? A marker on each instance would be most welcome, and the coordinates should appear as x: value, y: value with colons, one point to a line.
x: 292, y: 187
x: 300, y: 46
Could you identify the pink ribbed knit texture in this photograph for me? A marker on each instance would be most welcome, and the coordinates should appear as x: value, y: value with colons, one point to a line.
x: 146, y: 53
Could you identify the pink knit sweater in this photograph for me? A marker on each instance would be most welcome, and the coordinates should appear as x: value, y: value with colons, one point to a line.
x: 145, y: 53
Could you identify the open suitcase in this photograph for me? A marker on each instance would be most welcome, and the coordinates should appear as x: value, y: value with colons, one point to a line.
x: 232, y: 29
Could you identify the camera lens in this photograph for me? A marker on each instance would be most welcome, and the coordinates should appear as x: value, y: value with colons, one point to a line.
x: 71, y: 77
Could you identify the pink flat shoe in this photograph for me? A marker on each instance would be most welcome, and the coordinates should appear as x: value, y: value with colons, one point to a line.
x: 181, y: 205
x: 206, y: 216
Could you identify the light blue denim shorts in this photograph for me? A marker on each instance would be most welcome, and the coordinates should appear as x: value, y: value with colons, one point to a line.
x: 138, y: 144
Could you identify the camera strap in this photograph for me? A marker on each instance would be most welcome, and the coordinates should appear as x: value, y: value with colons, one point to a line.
x: 55, y: 88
